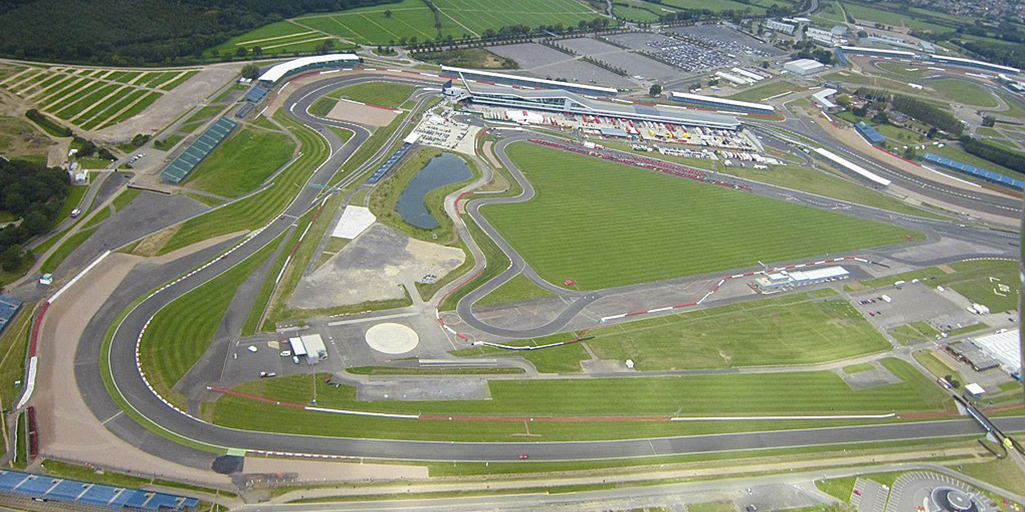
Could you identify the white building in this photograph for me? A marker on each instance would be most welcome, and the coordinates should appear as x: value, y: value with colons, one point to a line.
x: 779, y: 26
x: 315, y: 349
x: 804, y: 67
x: 784, y: 280
x: 1005, y: 347
x: 822, y: 98
x: 818, y: 35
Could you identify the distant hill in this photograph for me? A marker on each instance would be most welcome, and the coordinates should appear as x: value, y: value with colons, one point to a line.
x: 135, y: 32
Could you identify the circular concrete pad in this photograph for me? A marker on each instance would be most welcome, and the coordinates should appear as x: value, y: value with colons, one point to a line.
x: 392, y: 338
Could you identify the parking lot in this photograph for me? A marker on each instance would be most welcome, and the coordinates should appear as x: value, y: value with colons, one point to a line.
x: 728, y: 40
x: 543, y: 62
x: 634, y: 64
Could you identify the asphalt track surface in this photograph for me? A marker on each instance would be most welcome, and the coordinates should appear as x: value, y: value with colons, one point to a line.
x: 135, y: 392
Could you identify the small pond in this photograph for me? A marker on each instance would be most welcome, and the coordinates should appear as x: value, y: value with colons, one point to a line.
x: 444, y: 169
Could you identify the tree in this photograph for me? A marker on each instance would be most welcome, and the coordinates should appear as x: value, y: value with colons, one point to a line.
x: 881, y: 118
x: 387, y: 13
x: 765, y: 64
x: 241, y: 52
x: 251, y: 71
x: 655, y: 90
x: 11, y: 258
x: 844, y: 101
x: 257, y: 51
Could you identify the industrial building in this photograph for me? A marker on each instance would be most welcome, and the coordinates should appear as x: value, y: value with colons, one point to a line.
x: 279, y: 71
x: 722, y: 103
x: 849, y: 167
x: 310, y: 347
x: 804, y: 67
x: 784, y: 280
x: 567, y: 102
x: 823, y: 37
x: 869, y: 133
x: 476, y: 75
x: 973, y: 355
x: 1003, y: 347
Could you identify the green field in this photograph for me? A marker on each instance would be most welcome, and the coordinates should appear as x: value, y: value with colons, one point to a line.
x: 825, y: 184
x: 242, y: 163
x: 374, y: 93
x: 794, y: 329
x: 963, y: 92
x: 564, y: 233
x: 715, y: 5
x: 634, y: 12
x: 868, y: 14
x: 13, y: 345
x: 562, y: 359
x: 370, y: 25
x: 517, y: 289
x: 762, y: 92
x: 255, y: 211
x: 170, y: 346
x: 732, y: 394
x: 979, y: 281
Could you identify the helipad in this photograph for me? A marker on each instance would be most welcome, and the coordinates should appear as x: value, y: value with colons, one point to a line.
x: 392, y: 338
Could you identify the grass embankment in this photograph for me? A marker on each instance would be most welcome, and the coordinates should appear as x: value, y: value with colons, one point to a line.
x: 815, y: 392
x: 242, y: 163
x: 979, y: 281
x: 385, y: 94
x: 826, y: 184
x: 13, y: 347
x: 257, y: 210
x: 564, y: 234
x: 65, y: 249
x: 180, y: 333
x: 843, y: 488
x: 563, y: 359
x: 75, y: 195
x: 516, y: 289
x: 763, y: 92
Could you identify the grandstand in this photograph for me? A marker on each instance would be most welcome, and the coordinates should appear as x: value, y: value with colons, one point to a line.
x: 255, y: 94
x: 869, y: 133
x: 8, y: 308
x: 957, y: 61
x: 722, y: 103
x: 975, y: 172
x: 567, y: 102
x: 181, y: 167
x: 879, y: 52
x: 489, y: 77
x: 394, y: 159
x: 854, y: 169
x: 84, y: 494
x: 277, y: 72
x: 245, y: 110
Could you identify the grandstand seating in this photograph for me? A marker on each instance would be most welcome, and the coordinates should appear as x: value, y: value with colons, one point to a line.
x: 180, y: 167
x: 256, y: 94
x: 976, y: 172
x: 47, y: 488
x: 245, y: 110
x: 8, y: 308
x: 388, y: 164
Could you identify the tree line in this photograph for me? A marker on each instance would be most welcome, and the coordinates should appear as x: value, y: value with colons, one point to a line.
x: 138, y: 32
x: 35, y: 194
x: 996, y: 154
x: 928, y: 114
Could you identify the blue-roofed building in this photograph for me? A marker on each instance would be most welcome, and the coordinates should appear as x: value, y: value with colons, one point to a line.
x: 255, y: 94
x: 975, y: 172
x: 61, y: 490
x: 8, y: 309
x: 869, y: 133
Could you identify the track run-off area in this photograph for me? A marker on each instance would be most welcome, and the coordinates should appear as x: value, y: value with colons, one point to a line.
x: 119, y: 327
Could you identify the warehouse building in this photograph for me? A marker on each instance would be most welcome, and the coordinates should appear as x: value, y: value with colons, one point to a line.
x: 722, y: 103
x: 490, y: 77
x: 784, y: 280
x: 339, y: 60
x: 822, y: 98
x: 567, y: 102
x: 1005, y: 348
x: 804, y: 67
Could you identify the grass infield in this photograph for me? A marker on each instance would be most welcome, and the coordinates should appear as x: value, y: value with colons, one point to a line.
x: 604, y: 224
x: 242, y: 163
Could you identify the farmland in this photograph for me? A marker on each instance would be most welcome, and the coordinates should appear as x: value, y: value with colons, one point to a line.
x: 92, y: 98
x: 563, y: 233
x: 405, y: 21
x: 731, y: 394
